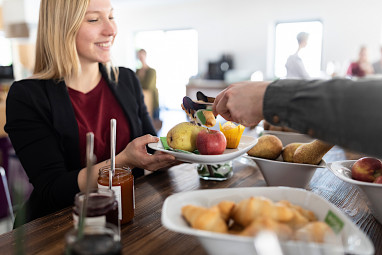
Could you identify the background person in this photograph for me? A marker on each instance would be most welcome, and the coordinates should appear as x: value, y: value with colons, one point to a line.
x: 147, y: 78
x: 362, y: 66
x: 75, y: 90
x: 377, y: 66
x: 295, y: 66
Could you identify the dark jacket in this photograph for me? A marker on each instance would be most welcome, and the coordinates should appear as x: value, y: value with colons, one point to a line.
x: 44, y: 133
x: 339, y: 111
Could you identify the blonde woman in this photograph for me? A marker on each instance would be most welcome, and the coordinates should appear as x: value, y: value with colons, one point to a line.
x: 75, y: 90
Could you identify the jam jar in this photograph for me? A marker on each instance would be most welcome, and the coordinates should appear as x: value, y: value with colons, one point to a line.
x: 123, y: 187
x: 102, y: 207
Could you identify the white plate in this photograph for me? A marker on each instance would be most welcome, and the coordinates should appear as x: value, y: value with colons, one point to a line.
x: 289, y: 137
x: 281, y: 173
x: 246, y: 143
x: 353, y: 239
x: 342, y: 169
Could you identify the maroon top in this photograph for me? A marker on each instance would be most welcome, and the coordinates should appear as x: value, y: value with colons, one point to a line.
x: 355, y: 70
x: 93, y: 111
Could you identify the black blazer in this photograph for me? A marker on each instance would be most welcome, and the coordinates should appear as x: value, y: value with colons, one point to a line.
x: 43, y: 130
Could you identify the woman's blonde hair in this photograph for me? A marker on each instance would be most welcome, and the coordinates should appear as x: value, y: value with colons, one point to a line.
x: 56, y: 51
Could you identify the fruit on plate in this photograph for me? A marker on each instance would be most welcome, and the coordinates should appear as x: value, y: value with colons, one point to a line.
x: 367, y: 169
x: 289, y: 151
x: 211, y: 142
x: 232, y: 133
x: 183, y: 136
x: 267, y: 146
x: 378, y: 179
x: 311, y: 153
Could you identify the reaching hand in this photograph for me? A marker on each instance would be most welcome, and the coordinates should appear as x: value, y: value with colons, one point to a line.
x: 241, y: 102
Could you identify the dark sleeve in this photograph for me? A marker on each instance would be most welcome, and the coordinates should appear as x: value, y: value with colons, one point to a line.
x: 339, y: 111
x: 37, y: 145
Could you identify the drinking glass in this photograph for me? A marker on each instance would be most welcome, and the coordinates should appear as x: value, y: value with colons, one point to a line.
x: 95, y: 240
x: 215, y: 172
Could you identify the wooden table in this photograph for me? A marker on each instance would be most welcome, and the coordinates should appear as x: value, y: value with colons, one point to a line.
x: 146, y: 235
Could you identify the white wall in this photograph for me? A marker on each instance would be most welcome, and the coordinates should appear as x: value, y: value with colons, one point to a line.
x: 244, y: 28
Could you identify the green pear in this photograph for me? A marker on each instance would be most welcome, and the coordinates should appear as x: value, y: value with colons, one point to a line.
x: 183, y: 136
x: 289, y: 150
x: 311, y: 153
x: 267, y: 146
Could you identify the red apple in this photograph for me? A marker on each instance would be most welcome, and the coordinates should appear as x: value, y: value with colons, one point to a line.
x: 378, y: 179
x: 366, y: 169
x: 211, y: 142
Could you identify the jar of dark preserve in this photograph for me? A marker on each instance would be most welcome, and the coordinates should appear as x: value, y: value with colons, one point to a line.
x: 102, y: 208
x: 123, y: 186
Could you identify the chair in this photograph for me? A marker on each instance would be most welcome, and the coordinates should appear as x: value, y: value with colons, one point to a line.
x: 7, y: 193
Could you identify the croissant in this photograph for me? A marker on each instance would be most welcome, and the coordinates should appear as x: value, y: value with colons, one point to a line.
x: 249, y: 209
x: 283, y: 231
x: 204, y: 219
x: 318, y: 232
x: 306, y: 213
x: 226, y: 208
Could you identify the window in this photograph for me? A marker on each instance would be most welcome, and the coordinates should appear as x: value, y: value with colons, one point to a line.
x: 286, y: 45
x: 5, y: 50
x: 174, y: 56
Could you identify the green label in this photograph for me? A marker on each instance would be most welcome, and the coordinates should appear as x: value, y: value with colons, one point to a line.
x: 334, y: 222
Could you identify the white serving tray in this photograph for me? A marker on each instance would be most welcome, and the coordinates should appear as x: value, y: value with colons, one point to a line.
x: 354, y: 240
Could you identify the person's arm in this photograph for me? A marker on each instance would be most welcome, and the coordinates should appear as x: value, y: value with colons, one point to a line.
x: 339, y: 111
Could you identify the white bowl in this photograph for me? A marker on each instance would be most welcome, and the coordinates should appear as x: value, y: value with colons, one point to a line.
x: 289, y: 137
x: 353, y: 239
x: 342, y: 169
x: 280, y: 173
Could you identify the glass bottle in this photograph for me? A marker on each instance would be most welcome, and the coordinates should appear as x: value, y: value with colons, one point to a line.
x: 123, y: 187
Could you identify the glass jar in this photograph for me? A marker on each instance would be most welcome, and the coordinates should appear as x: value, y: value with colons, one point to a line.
x: 102, y: 207
x: 95, y: 240
x: 123, y: 187
x: 215, y: 172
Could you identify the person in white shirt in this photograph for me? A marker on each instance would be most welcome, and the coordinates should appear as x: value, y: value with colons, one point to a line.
x: 378, y: 65
x: 294, y: 65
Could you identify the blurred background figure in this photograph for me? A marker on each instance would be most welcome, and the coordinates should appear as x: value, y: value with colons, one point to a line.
x: 294, y: 65
x: 378, y: 65
x: 147, y: 78
x: 362, y: 66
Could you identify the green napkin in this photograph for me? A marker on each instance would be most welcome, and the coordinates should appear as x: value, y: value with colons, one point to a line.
x: 166, y: 147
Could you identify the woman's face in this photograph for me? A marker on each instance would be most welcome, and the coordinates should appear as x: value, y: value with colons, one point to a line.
x: 97, y: 32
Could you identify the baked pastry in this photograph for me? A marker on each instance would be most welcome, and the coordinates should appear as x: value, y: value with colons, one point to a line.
x: 306, y: 213
x: 283, y: 231
x: 225, y: 208
x: 204, y: 219
x: 249, y: 209
x: 318, y: 232
x: 232, y: 133
x: 200, y: 117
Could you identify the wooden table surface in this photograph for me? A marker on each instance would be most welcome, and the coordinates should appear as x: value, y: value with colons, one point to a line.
x: 146, y: 235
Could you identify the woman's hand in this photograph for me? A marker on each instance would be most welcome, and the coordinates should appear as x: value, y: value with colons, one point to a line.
x: 136, y: 155
x: 241, y: 102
